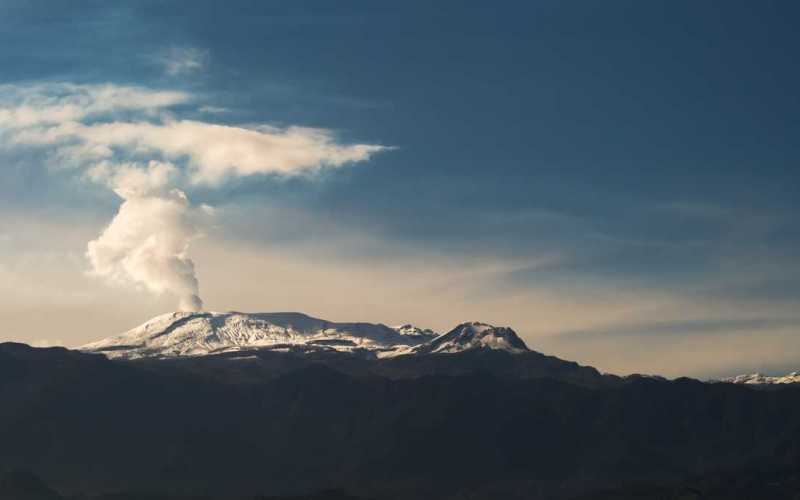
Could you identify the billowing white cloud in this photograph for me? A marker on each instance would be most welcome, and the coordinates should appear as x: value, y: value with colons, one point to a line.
x: 124, y: 138
x: 130, y: 180
x: 147, y: 243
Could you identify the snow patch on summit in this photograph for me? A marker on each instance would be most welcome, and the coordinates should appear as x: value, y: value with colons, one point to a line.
x: 474, y: 335
x: 201, y: 333
x: 416, y: 332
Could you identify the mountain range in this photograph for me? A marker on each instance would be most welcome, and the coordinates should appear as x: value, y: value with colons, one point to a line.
x: 203, y: 333
x: 258, y: 346
x: 197, y: 334
x: 233, y: 405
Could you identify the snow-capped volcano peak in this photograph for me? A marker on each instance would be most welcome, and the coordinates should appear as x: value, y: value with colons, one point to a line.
x: 475, y: 335
x: 200, y: 333
x: 180, y: 334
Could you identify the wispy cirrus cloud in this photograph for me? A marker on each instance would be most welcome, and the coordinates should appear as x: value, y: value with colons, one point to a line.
x: 719, y: 326
x: 40, y: 106
x: 213, y: 152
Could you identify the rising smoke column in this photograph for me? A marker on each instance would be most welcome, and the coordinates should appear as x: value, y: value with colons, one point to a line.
x: 148, y: 240
x: 109, y: 132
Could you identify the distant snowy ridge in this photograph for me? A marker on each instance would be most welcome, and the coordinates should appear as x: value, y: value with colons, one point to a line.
x: 202, y: 333
x: 759, y: 379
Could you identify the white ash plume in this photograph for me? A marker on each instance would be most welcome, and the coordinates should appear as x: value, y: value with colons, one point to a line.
x: 148, y: 240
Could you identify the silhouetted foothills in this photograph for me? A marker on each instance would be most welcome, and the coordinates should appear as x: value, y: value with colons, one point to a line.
x: 479, y: 423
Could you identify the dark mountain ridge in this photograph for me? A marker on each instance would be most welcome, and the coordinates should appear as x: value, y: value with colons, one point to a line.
x: 480, y: 424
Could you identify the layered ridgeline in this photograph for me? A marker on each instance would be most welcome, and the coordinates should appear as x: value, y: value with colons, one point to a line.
x: 233, y: 405
x: 481, y: 423
x: 402, y: 350
x: 203, y: 333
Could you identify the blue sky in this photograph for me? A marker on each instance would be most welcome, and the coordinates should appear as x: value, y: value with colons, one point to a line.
x: 615, y: 180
